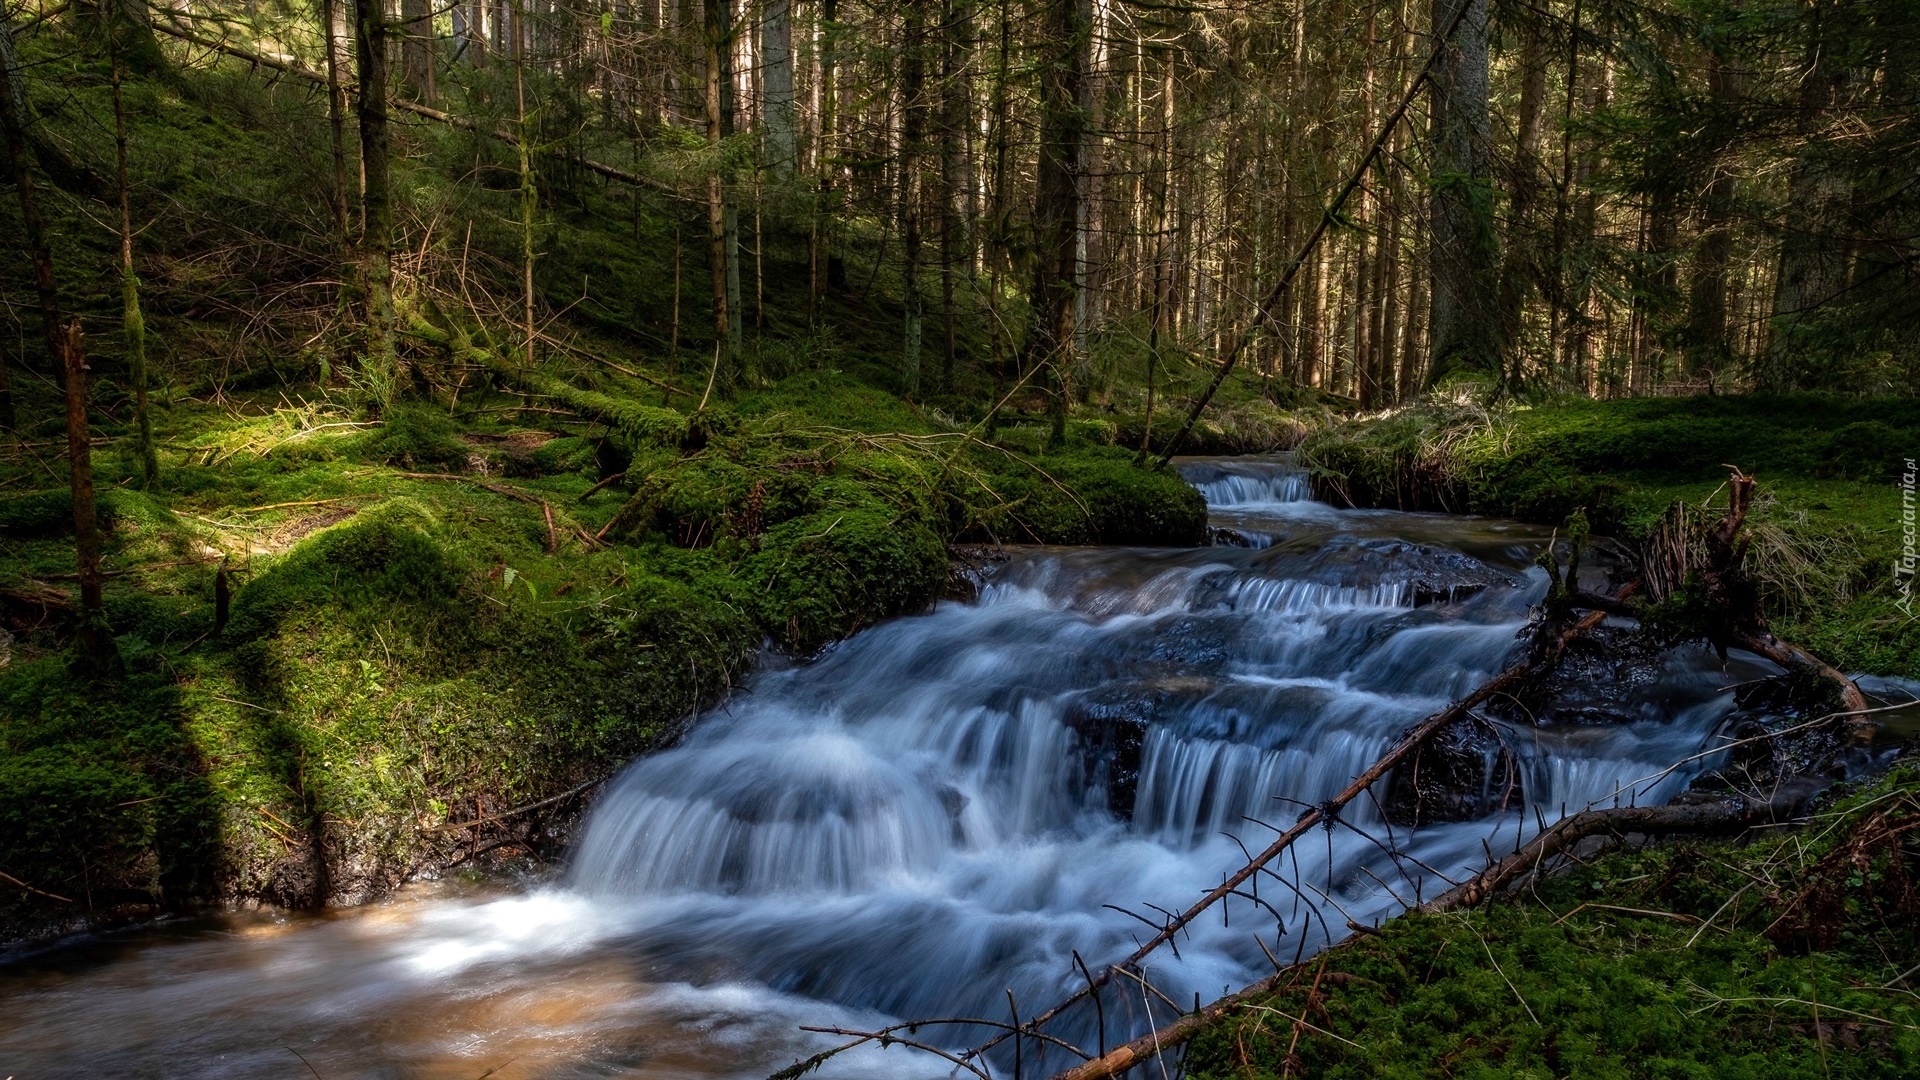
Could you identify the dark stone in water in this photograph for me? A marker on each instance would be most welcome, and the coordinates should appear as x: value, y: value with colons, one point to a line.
x: 968, y: 566
x: 1464, y: 773
x: 1771, y: 747
x: 1219, y: 537
x: 1112, y: 723
x: 1601, y: 679
x: 1431, y: 574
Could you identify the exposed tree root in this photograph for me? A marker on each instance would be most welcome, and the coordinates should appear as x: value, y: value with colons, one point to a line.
x: 1715, y: 556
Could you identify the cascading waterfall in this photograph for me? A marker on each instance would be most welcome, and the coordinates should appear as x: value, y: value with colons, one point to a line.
x: 938, y: 811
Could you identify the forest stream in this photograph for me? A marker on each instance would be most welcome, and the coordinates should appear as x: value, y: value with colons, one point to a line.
x: 929, y: 821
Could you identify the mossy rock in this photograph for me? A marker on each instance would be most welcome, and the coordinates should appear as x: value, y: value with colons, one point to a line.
x: 825, y: 575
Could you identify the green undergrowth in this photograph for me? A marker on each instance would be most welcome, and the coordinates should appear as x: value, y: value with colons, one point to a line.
x: 1826, y: 525
x: 1784, y: 956
x: 467, y: 584
x: 444, y: 609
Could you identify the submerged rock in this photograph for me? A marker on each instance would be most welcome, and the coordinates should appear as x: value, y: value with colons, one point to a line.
x: 1463, y: 773
x: 1112, y: 724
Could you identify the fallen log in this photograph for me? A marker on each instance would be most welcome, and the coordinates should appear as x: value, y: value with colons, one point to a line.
x: 1726, y: 817
x: 643, y: 425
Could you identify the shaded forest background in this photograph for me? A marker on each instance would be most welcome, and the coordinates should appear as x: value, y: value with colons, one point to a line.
x: 1591, y: 196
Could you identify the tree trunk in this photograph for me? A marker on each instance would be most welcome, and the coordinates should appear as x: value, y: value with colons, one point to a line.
x: 529, y: 193
x: 1815, y: 257
x: 1707, y: 348
x: 1056, y: 211
x: 1520, y: 266
x: 133, y: 324
x: 1464, y: 250
x: 337, y: 129
x: 776, y: 81
x: 721, y: 221
x: 825, y: 149
x: 376, y: 213
x: 417, y: 50
x: 956, y: 45
x: 913, y: 110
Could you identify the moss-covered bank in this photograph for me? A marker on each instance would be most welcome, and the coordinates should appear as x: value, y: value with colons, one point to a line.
x: 1826, y: 530
x: 1788, y: 956
x: 436, y: 618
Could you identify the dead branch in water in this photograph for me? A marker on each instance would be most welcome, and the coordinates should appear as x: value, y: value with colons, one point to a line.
x: 1730, y: 816
x: 1715, y: 555
x: 1545, y: 653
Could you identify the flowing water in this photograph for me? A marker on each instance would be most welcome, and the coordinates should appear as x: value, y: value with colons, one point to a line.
x: 929, y: 818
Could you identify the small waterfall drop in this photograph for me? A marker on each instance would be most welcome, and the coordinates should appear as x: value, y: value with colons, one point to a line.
x: 962, y: 792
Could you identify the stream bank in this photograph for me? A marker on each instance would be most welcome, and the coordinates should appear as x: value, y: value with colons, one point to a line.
x: 438, y: 621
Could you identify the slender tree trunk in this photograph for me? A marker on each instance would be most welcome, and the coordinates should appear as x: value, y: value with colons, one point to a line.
x: 1464, y: 248
x: 1067, y: 33
x: 1365, y: 369
x: 720, y: 215
x: 529, y: 192
x: 13, y: 122
x: 376, y: 215
x: 337, y: 130
x: 66, y: 351
x: 1582, y: 318
x: 1520, y: 265
x: 776, y: 80
x: 133, y: 325
x: 913, y: 109
x: 956, y: 44
x: 1707, y: 349
x: 824, y: 159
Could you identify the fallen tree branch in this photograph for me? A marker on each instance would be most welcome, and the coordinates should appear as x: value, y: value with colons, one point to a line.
x: 489, y: 819
x: 1536, y: 660
x: 1730, y: 816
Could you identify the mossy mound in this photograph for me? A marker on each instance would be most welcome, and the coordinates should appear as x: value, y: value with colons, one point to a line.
x: 1782, y: 957
x: 1825, y: 530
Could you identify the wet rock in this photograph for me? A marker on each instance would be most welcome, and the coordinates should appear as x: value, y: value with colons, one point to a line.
x: 1780, y: 739
x: 1219, y: 537
x: 1428, y: 574
x: 1112, y: 723
x: 1601, y: 679
x: 968, y: 567
x: 1464, y: 773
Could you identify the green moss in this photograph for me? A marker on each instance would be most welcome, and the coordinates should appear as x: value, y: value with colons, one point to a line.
x: 825, y: 575
x: 1824, y: 528
x: 1686, y: 961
